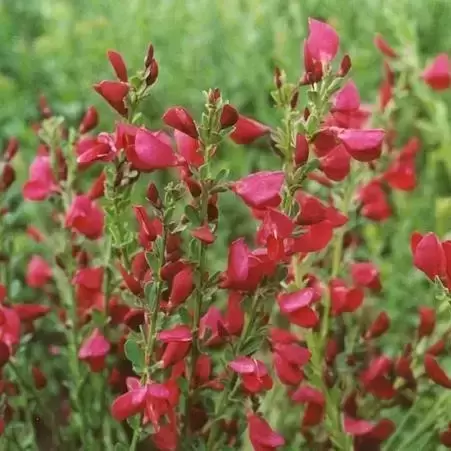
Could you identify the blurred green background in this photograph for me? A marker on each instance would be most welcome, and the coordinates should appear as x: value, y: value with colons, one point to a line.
x: 58, y: 47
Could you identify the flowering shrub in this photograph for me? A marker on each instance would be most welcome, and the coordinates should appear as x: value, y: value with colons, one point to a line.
x: 152, y: 345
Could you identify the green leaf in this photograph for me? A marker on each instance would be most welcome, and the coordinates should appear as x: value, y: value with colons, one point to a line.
x: 134, y: 353
x: 150, y: 293
x: 193, y: 215
x: 251, y: 346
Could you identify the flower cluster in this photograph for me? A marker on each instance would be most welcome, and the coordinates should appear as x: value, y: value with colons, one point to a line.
x: 161, y: 344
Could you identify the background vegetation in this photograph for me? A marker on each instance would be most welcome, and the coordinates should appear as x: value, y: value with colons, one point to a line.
x: 58, y: 47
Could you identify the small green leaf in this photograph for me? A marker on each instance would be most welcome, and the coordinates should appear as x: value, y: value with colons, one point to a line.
x: 134, y: 353
x: 193, y: 215
x: 251, y: 346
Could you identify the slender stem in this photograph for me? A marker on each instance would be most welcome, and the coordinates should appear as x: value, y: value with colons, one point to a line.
x: 135, y: 438
x: 151, y: 332
x: 429, y: 421
x: 230, y: 387
x: 195, y: 348
x: 337, y: 254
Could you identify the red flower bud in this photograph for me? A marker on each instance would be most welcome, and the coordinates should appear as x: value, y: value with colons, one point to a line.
x: 301, y: 153
x: 262, y: 437
x: 438, y: 74
x: 427, y: 321
x: 94, y: 351
x: 118, y: 65
x: 247, y: 130
x: 229, y: 116
x: 435, y: 372
x: 11, y: 149
x: 315, y: 401
x: 89, y: 121
x: 379, y: 326
x: 383, y: 46
x: 179, y: 118
x: 114, y: 92
x: 39, y: 272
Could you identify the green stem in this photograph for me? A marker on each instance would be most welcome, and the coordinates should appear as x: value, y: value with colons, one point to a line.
x: 135, y: 438
x: 195, y: 348
x: 151, y: 332
x: 230, y: 387
x: 72, y: 336
x: 337, y: 254
x: 429, y: 421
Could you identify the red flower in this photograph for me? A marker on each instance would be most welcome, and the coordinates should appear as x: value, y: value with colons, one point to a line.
x: 312, y: 210
x: 178, y: 343
x: 216, y: 327
x: 366, y: 274
x: 88, y: 289
x: 102, y: 148
x: 39, y: 272
x: 401, y: 174
x: 204, y: 234
x: 9, y: 327
x: 134, y: 401
x: 262, y: 437
x: 247, y: 130
x: 368, y: 434
x: 94, y: 351
x: 438, y: 74
x: 118, y: 64
x: 428, y: 254
x: 85, y: 217
x: 229, y: 116
x: 149, y: 229
x: 11, y: 149
x: 343, y: 299
x: 261, y: 189
x: 427, y: 321
x: 7, y: 176
x: 97, y: 189
x: 336, y: 164
x: 89, y: 121
x: 253, y: 373
x: 39, y: 379
x: 445, y: 436
x: 375, y: 378
x: 182, y: 286
x: 41, y: 181
x: 189, y: 148
x: 114, y: 92
x: 315, y: 401
x: 362, y: 145
x: 151, y: 151
x: 315, y: 238
x: 375, y: 205
x: 297, y: 307
x: 382, y: 45
x: 274, y: 230
x: 435, y: 372
x: 30, y: 312
x: 322, y: 41
x: 379, y: 326
x: 178, y: 117
x: 301, y: 153
x: 347, y: 99
x: 289, y: 358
